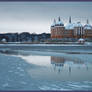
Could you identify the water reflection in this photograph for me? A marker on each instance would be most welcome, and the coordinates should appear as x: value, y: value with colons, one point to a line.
x: 59, y: 62
x: 60, y: 68
x: 64, y: 67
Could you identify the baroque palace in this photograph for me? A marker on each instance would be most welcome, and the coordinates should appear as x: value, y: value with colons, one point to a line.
x: 71, y: 30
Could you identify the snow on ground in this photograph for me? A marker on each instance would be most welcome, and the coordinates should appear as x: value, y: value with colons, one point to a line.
x: 18, y: 74
x: 48, y: 47
x: 13, y: 76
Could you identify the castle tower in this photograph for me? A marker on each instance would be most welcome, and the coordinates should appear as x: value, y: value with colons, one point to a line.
x: 87, y: 29
x: 69, y: 29
x: 59, y: 29
x: 78, y: 30
x: 53, y: 29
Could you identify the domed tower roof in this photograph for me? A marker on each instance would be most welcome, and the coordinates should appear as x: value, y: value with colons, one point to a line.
x: 69, y: 26
x: 78, y: 24
x: 59, y: 23
x: 54, y: 23
x: 87, y: 26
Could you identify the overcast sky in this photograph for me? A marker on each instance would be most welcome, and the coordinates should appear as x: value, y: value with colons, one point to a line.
x: 38, y: 16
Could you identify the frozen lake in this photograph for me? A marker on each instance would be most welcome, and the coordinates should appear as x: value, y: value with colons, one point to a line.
x: 45, y: 69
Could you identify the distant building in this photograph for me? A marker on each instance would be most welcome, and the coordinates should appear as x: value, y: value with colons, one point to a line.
x: 71, y: 30
x: 24, y: 37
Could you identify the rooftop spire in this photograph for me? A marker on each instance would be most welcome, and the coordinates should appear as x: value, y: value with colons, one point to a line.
x: 87, y: 21
x: 59, y: 18
x: 54, y: 21
x: 70, y: 19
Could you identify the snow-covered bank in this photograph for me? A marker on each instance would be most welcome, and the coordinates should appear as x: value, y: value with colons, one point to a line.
x: 30, y: 67
x: 12, y: 73
x: 17, y: 74
x: 46, y: 47
x: 46, y: 52
x: 29, y: 70
x: 86, y: 44
x: 81, y: 55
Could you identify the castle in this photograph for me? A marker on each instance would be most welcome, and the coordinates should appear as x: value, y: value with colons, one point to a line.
x: 71, y: 30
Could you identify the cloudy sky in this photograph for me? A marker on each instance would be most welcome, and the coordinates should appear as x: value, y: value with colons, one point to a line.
x: 36, y: 17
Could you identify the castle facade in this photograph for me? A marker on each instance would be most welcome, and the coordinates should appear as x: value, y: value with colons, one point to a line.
x: 71, y: 30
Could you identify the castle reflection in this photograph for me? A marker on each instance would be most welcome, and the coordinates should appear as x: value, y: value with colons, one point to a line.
x: 58, y: 63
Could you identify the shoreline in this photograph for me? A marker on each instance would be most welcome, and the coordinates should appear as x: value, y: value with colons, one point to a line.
x: 47, y: 47
x: 42, y: 43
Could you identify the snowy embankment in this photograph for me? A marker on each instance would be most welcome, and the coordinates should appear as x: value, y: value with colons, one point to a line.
x: 70, y: 51
x: 14, y: 69
x: 12, y: 73
x: 71, y: 55
x: 59, y: 47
